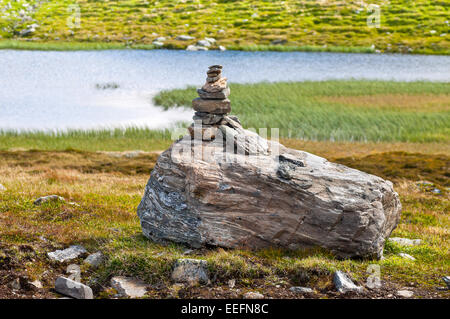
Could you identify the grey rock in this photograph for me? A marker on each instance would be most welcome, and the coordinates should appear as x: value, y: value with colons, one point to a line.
x: 406, y: 256
x: 210, y: 40
x: 302, y: 290
x: 67, y: 254
x: 212, y: 106
x: 344, y: 284
x: 405, y: 241
x: 221, y: 95
x: 15, y: 284
x: 233, y: 200
x: 36, y: 284
x: 405, y: 293
x: 207, y: 118
x: 50, y: 198
x: 253, y: 295
x: 222, y: 48
x: 129, y: 287
x: 184, y: 38
x: 158, y: 43
x: 73, y: 288
x: 191, y: 48
x: 446, y: 279
x: 2, y: 188
x: 203, y: 43
x: 95, y: 260
x: 191, y: 271
x: 160, y: 39
x: 202, y: 48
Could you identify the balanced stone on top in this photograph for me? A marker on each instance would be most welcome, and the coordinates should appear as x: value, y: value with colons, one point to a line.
x: 211, y: 106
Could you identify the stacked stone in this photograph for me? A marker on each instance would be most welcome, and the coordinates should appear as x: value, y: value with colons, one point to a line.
x: 212, y: 105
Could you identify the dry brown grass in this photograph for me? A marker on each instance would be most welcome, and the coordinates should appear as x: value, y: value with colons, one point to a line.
x: 403, y: 102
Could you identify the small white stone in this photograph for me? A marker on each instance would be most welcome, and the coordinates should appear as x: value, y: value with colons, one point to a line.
x: 344, y: 284
x: 405, y: 293
x: 67, y: 254
x: 129, y: 287
x: 405, y: 241
x: 232, y: 283
x: 406, y: 256
x: 302, y: 290
x: 37, y: 284
x: 46, y: 199
x: 253, y: 295
x: 2, y: 188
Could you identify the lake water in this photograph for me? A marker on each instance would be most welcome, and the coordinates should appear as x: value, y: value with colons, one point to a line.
x: 57, y: 90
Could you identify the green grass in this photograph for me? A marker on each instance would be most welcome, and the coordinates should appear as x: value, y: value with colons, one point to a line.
x: 108, y: 189
x: 339, y: 110
x: 406, y: 26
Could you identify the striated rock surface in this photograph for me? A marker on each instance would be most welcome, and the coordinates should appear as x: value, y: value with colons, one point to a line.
x: 223, y: 185
x: 277, y: 197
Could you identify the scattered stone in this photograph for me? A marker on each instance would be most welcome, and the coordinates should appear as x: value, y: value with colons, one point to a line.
x: 253, y: 295
x: 188, y: 251
x: 36, y: 284
x: 446, y: 279
x: 158, y: 44
x: 436, y: 191
x: 2, y: 188
x: 231, y: 283
x: 184, y: 38
x: 344, y: 284
x: 95, y: 260
x: 406, y: 256
x: 67, y: 254
x: 203, y: 43
x: 191, y: 271
x: 160, y: 39
x: 50, y: 198
x: 129, y: 287
x: 239, y: 190
x: 302, y: 290
x: 15, y: 284
x: 73, y: 288
x: 222, y: 48
x: 405, y: 241
x: 405, y: 293
x: 210, y: 40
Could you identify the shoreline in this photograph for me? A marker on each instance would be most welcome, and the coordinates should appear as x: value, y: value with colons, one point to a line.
x: 95, y: 46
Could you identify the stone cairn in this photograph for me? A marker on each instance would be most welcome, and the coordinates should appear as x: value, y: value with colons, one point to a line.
x: 212, y: 107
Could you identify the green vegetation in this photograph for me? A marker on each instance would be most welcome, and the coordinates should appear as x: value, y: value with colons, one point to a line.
x: 405, y: 26
x: 107, y: 189
x: 368, y: 125
x: 339, y: 110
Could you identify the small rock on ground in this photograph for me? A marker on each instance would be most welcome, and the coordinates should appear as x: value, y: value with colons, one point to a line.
x: 67, y: 254
x: 406, y: 241
x: 253, y: 295
x: 405, y: 293
x: 36, y: 284
x: 129, y: 287
x: 73, y: 289
x: 406, y: 256
x: 46, y: 199
x: 302, y: 290
x: 344, y: 284
x: 446, y: 279
x: 190, y: 271
x: 2, y: 188
x: 15, y: 284
x: 95, y: 260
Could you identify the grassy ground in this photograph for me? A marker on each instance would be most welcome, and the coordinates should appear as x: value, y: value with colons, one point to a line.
x: 339, y: 110
x: 108, y: 187
x: 405, y: 26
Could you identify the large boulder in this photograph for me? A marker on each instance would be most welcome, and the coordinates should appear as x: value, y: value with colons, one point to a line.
x: 204, y: 194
